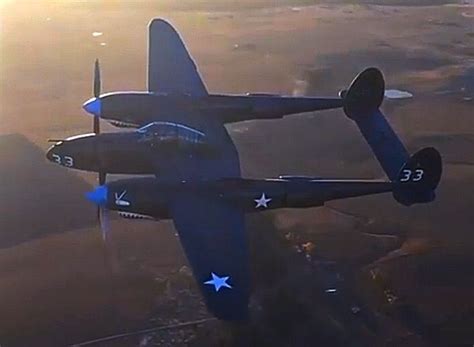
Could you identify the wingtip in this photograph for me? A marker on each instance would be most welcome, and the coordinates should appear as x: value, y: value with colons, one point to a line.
x: 159, y: 23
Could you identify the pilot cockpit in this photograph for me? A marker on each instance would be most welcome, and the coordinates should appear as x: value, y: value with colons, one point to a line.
x: 169, y: 132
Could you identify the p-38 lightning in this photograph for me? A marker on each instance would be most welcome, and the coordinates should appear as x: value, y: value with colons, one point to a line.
x: 180, y: 138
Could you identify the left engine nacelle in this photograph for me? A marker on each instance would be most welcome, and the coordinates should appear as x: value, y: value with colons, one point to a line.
x: 136, y: 198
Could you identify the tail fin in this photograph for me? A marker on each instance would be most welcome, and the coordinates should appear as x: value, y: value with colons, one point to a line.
x: 415, y: 177
x: 361, y: 103
x: 365, y: 94
x: 419, y: 177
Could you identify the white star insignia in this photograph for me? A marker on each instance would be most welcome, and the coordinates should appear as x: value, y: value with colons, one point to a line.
x: 218, y: 282
x: 263, y: 201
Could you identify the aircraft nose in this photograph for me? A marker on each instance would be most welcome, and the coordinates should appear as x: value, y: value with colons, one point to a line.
x: 93, y: 106
x: 51, y: 154
x: 98, y: 196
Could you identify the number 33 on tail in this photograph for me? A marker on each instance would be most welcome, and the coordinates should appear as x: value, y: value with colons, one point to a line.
x: 411, y: 175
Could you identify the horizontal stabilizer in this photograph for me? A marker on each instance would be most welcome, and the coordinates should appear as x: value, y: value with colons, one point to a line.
x: 419, y: 177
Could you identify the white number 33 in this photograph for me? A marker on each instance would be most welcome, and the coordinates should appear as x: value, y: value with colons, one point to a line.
x: 410, y: 175
x: 65, y: 160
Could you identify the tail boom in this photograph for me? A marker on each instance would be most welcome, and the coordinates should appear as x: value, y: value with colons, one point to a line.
x: 415, y: 178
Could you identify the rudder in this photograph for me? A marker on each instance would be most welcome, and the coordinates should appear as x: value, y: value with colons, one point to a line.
x: 419, y: 178
x: 365, y: 94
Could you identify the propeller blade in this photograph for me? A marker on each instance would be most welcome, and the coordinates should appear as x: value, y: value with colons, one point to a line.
x: 97, y: 82
x: 94, y: 105
x: 96, y: 125
x: 110, y: 247
x: 102, y: 177
x: 104, y: 218
x: 97, y: 87
x: 99, y: 197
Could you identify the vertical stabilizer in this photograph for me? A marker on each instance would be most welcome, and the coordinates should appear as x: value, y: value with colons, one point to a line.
x: 361, y: 103
x: 416, y: 178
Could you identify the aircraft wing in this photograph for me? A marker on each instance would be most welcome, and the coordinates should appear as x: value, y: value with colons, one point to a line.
x: 170, y: 67
x: 213, y: 236
x: 220, y: 160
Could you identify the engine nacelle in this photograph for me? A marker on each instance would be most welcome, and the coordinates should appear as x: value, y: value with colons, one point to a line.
x: 136, y: 198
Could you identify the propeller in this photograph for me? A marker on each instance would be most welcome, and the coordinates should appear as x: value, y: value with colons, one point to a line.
x: 102, y: 212
x: 94, y: 107
x: 97, y: 85
x: 102, y: 177
x: 99, y: 197
x: 104, y: 222
x: 94, y: 104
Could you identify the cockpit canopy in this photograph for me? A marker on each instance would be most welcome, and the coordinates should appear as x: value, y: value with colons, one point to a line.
x: 171, y: 132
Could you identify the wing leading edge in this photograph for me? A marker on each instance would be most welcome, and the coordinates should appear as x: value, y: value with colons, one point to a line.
x: 171, y: 69
x: 213, y: 237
